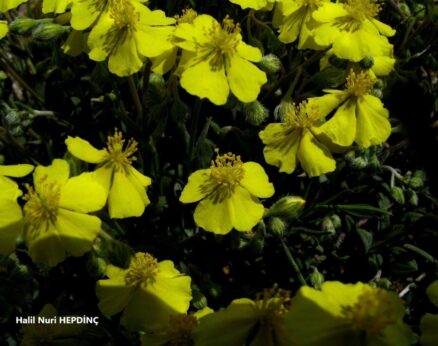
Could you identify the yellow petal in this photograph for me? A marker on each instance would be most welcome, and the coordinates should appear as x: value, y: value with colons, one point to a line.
x: 383, y: 28
x: 281, y: 146
x: 327, y: 103
x: 164, y: 62
x: 124, y: 199
x: 238, y: 319
x: 314, y: 157
x: 16, y: 171
x: 125, y: 59
x: 341, y: 128
x: 9, y: 189
x: 191, y: 35
x: 83, y: 194
x: 383, y: 65
x: 432, y: 292
x: 103, y: 176
x: 102, y: 33
x: 244, y: 78
x: 214, y: 217
x: 11, y: 225
x: 85, y: 12
x: 256, y: 181
x: 373, y: 126
x: 55, y: 6
x: 291, y: 26
x: 246, y: 210
x: 6, y: 5
x: 58, y: 172
x: 429, y: 333
x: 193, y: 191
x: 113, y: 295
x: 200, y: 80
x: 3, y: 28
x: 248, y: 52
x: 153, y: 41
x: 84, y: 151
x: 155, y: 18
x: 254, y: 4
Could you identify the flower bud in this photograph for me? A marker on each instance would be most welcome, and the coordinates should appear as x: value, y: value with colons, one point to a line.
x: 328, y: 226
x: 412, y: 197
x: 405, y: 9
x: 255, y: 113
x: 377, y: 93
x: 367, y: 62
x: 288, y: 207
x: 337, y: 62
x: 384, y: 283
x: 359, y: 162
x: 270, y: 63
x: 49, y: 31
x: 277, y: 225
x: 398, y: 194
x: 336, y: 221
x: 316, y: 279
x: 22, y: 25
x: 417, y: 180
x: 374, y: 162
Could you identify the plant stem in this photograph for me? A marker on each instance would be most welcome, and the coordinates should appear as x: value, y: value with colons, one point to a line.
x: 136, y: 99
x: 294, y: 263
x: 194, y: 128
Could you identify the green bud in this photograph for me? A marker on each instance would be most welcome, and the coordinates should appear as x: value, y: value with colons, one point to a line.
x: 283, y: 108
x: 417, y: 180
x: 316, y: 279
x: 270, y: 63
x: 277, y: 225
x: 405, y: 9
x: 367, y: 62
x: 359, y: 162
x: 337, y: 62
x: 288, y: 208
x: 255, y: 113
x: 398, y: 194
x: 350, y: 156
x: 419, y: 10
x: 377, y: 93
x: 412, y: 197
x: 49, y: 31
x: 328, y: 226
x: 22, y: 25
x: 374, y: 162
x: 336, y: 221
x: 384, y: 283
x: 379, y: 84
x: 13, y: 118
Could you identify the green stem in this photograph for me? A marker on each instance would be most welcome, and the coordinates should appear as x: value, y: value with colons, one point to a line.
x: 291, y: 89
x: 294, y: 263
x: 421, y: 252
x: 194, y: 127
x: 136, y: 99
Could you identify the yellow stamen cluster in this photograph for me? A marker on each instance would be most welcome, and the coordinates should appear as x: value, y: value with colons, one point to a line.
x: 359, y: 84
x: 362, y: 9
x: 41, y: 208
x: 118, y: 157
x: 142, y: 269
x: 272, y: 305
x: 301, y: 116
x: 180, y: 330
x: 123, y: 13
x: 223, y: 42
x: 188, y: 16
x: 372, y: 312
x: 227, y: 169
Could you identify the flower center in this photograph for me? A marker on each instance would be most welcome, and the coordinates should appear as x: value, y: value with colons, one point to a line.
x: 41, y: 209
x: 301, y: 116
x: 118, y: 157
x: 123, y: 13
x: 272, y: 305
x: 143, y: 268
x: 223, y: 42
x: 372, y: 312
x: 362, y: 9
x: 188, y: 16
x: 180, y: 330
x: 359, y: 84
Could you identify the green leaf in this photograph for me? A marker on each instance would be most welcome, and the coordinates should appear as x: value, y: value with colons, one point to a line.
x: 366, y: 237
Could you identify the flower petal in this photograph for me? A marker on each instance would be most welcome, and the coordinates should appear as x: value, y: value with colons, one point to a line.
x: 3, y: 28
x: 256, y: 181
x: 193, y: 191
x: 114, y: 295
x: 214, y: 216
x: 16, y: 171
x: 84, y: 13
x: 11, y: 225
x: 58, y: 173
x: 84, y: 151
x: 247, y: 211
x: 249, y: 52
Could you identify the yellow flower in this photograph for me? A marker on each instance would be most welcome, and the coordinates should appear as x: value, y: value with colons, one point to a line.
x: 3, y: 28
x: 360, y: 117
x: 56, y: 6
x: 164, y: 62
x: 255, y: 4
x: 248, y: 322
x: 298, y: 139
x: 149, y: 292
x: 429, y: 322
x: 294, y: 19
x: 6, y: 5
x: 228, y: 192
x: 55, y: 214
x: 215, y: 60
x: 351, y: 29
x: 50, y: 333
x: 125, y: 186
x: 347, y: 314
x: 179, y: 331
x: 126, y: 33
x: 11, y: 217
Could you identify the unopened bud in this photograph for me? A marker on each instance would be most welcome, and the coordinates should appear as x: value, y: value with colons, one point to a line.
x: 337, y: 62
x: 328, y: 226
x: 336, y: 221
x: 49, y: 31
x: 255, y: 113
x: 22, y: 25
x: 359, y: 162
x: 270, y: 63
x: 377, y: 93
x: 277, y: 225
x: 398, y: 194
x: 316, y: 279
x: 288, y: 207
x: 417, y: 180
x: 412, y: 197
x: 374, y: 162
x: 367, y: 62
x: 405, y: 9
x: 384, y: 283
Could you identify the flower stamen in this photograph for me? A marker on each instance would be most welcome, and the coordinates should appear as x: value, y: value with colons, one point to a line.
x: 302, y: 115
x: 180, y: 330
x: 118, y: 157
x: 142, y: 269
x: 359, y: 84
